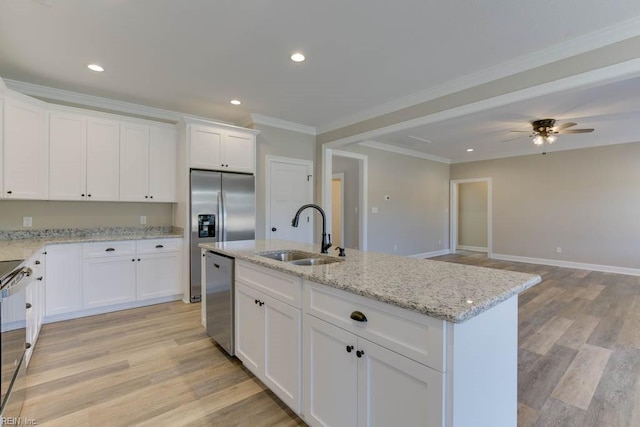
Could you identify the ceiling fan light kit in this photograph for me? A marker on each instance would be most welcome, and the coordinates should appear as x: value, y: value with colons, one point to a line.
x: 545, y: 130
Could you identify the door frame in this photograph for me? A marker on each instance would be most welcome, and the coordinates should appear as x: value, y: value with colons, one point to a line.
x: 363, y: 188
x: 340, y: 176
x: 267, y: 213
x: 453, y: 213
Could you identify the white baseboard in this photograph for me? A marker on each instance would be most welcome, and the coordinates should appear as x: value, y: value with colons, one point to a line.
x: 431, y: 254
x: 569, y: 264
x: 110, y: 308
x: 473, y: 248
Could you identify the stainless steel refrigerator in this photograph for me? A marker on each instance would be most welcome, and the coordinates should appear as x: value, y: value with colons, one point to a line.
x: 222, y: 209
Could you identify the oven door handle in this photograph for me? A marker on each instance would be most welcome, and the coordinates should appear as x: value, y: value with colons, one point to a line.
x: 16, y: 281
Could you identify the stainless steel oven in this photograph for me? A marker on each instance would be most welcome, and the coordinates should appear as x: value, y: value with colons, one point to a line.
x: 14, y: 279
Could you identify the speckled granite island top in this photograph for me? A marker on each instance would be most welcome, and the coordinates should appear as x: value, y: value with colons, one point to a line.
x: 21, y: 244
x: 448, y: 291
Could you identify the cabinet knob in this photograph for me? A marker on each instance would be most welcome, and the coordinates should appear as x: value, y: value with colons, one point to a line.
x: 37, y: 262
x: 274, y: 229
x: 151, y: 197
x: 29, y: 305
x: 27, y: 345
x: 349, y: 348
x: 9, y: 192
x: 40, y: 278
x: 88, y: 195
x: 82, y: 195
x: 358, y: 316
x: 261, y: 303
x: 138, y: 259
x: 146, y: 197
x: 133, y: 260
x: 256, y: 301
x: 359, y: 353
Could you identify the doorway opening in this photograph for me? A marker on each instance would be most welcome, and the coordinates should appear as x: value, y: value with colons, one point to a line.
x: 337, y: 209
x: 471, y: 215
x: 353, y: 168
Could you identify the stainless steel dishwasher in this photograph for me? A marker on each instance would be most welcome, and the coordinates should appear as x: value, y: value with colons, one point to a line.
x: 220, y: 291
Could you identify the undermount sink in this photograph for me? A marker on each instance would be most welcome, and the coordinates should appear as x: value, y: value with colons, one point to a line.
x: 315, y: 261
x: 287, y: 255
x: 298, y: 257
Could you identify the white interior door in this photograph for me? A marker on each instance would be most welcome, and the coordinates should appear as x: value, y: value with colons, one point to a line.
x: 289, y: 186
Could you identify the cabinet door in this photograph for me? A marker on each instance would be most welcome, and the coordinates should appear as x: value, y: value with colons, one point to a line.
x: 26, y: 151
x: 103, y: 161
x: 134, y: 163
x: 249, y: 328
x: 63, y: 292
x: 331, y: 375
x: 67, y: 156
x: 157, y: 276
x: 108, y: 281
x: 205, y: 147
x: 282, y: 349
x: 238, y: 152
x: 395, y: 390
x: 162, y: 165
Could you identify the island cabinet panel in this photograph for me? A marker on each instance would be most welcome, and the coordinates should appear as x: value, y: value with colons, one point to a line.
x: 350, y: 381
x: 416, y: 336
x: 268, y: 341
x: 284, y: 287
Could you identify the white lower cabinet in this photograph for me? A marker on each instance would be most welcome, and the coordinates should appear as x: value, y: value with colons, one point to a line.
x: 89, y: 278
x: 35, y: 302
x: 64, y: 279
x: 108, y: 281
x: 268, y: 341
x: 351, y: 381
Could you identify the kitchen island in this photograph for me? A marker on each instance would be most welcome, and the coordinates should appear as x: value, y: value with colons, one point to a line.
x: 378, y: 339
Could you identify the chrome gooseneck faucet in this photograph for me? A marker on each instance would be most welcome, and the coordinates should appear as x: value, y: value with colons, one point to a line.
x: 326, y: 238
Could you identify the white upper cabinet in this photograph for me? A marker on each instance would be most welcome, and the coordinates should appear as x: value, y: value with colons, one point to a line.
x: 147, y: 163
x: 206, y: 147
x: 67, y: 156
x: 103, y: 159
x: 26, y: 154
x: 221, y: 149
x: 134, y: 162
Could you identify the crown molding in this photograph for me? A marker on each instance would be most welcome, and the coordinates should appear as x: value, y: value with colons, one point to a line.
x: 259, y: 119
x: 405, y: 151
x: 597, y: 39
x: 194, y: 120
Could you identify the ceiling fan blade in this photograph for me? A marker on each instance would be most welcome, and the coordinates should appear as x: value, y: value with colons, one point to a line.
x: 564, y: 126
x: 577, y: 131
x: 513, y: 139
x: 526, y: 131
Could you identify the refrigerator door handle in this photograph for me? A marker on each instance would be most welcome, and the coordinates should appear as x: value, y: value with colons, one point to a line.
x: 219, y: 225
x: 224, y: 217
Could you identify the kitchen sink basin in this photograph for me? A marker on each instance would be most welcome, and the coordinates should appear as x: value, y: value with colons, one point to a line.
x: 287, y: 255
x: 315, y: 261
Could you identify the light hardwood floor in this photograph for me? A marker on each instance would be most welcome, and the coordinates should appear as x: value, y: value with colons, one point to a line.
x: 578, y: 362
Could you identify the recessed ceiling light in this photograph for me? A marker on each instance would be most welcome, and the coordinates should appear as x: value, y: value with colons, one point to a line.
x: 235, y: 102
x: 95, y: 67
x: 297, y: 57
x: 469, y: 149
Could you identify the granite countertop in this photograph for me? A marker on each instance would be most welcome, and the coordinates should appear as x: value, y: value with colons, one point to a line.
x: 21, y: 244
x: 448, y: 291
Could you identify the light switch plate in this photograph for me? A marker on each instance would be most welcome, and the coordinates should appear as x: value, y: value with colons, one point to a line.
x: 27, y: 221
x: 143, y: 220
x: 374, y: 210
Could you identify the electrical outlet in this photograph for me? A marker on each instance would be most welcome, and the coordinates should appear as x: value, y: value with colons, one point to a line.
x: 27, y: 221
x: 143, y: 219
x: 356, y: 209
x: 439, y: 242
x: 395, y: 247
x: 374, y: 210
x: 387, y: 197
x: 558, y: 250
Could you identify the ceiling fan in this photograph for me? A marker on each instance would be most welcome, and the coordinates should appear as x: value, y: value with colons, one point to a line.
x: 545, y: 130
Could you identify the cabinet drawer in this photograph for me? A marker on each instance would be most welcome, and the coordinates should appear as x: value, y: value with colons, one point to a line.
x: 280, y: 286
x: 109, y: 249
x: 159, y: 245
x: 416, y: 336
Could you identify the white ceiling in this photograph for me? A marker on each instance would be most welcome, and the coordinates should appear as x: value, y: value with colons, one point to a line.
x: 194, y: 56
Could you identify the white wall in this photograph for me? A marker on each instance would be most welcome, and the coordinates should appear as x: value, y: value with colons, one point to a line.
x: 587, y: 202
x: 416, y: 216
